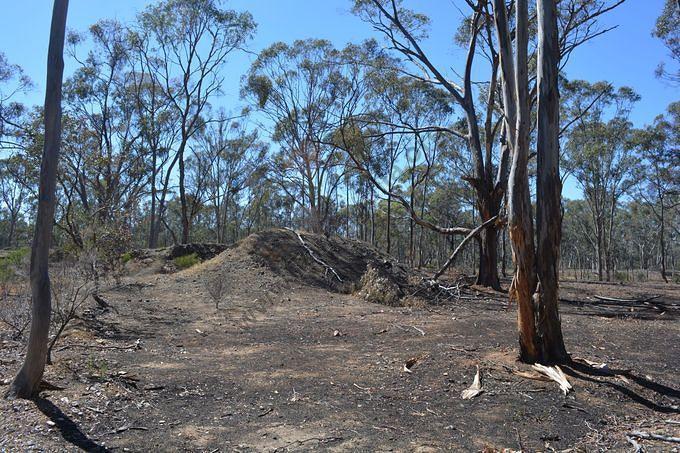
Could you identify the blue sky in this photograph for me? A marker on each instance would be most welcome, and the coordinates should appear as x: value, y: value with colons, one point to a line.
x: 627, y: 55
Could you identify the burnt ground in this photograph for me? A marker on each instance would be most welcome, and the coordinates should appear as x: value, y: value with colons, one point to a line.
x: 284, y: 364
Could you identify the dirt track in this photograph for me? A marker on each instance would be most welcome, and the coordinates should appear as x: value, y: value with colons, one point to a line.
x: 286, y: 366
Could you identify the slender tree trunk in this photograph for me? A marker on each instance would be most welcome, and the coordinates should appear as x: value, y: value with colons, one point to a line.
x: 27, y: 382
x: 520, y: 219
x: 183, y: 198
x: 504, y: 258
x: 548, y: 189
x: 600, y: 254
x: 389, y: 211
x: 12, y: 228
x: 411, y: 246
x: 662, y: 242
x: 153, y: 231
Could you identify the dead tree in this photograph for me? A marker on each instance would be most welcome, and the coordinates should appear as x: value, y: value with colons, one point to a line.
x: 27, y: 382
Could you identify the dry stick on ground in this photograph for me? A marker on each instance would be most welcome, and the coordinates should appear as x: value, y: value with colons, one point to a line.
x: 328, y: 268
x: 614, y: 299
x: 455, y: 253
x: 638, y: 448
x: 652, y: 436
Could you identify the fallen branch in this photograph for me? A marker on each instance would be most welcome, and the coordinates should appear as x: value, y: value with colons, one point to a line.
x: 652, y: 436
x: 421, y: 331
x: 321, y: 262
x: 458, y: 249
x: 615, y: 299
x: 135, y: 345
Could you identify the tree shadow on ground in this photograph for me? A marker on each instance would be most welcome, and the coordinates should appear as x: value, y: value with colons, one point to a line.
x: 646, y: 310
x: 590, y: 374
x: 69, y: 430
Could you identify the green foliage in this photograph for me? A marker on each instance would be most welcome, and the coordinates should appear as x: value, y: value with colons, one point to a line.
x: 10, y: 263
x: 186, y: 261
x: 98, y: 367
x: 125, y: 257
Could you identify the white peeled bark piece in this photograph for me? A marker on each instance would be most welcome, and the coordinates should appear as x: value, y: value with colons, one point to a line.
x: 597, y: 365
x: 475, y: 389
x: 556, y: 374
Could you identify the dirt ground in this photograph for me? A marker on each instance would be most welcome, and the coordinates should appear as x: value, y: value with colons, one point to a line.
x: 285, y: 364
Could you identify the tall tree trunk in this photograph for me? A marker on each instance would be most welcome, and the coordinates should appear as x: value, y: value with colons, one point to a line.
x: 27, y: 382
x: 662, y: 242
x: 153, y: 231
x: 389, y: 210
x: 411, y: 246
x: 600, y: 254
x: 487, y: 274
x: 183, y: 197
x: 520, y: 219
x: 504, y: 258
x: 548, y: 189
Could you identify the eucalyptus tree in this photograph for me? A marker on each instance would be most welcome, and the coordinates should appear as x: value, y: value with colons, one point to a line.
x: 15, y: 185
x: 26, y: 384
x: 659, y: 177
x: 232, y: 156
x: 405, y: 31
x: 104, y: 162
x: 301, y: 89
x: 13, y: 81
x: 157, y: 123
x: 667, y: 28
x: 189, y: 44
x: 599, y: 156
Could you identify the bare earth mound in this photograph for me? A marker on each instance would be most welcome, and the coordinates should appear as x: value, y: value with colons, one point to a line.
x: 336, y: 264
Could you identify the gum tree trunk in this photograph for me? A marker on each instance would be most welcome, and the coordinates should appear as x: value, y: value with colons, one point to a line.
x: 26, y: 384
x: 488, y: 258
x: 549, y: 189
x: 520, y: 216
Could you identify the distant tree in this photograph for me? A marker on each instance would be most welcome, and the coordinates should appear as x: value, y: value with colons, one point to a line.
x: 190, y: 41
x: 15, y: 182
x: 236, y: 157
x: 659, y: 177
x: 599, y: 156
x: 12, y: 82
x: 301, y: 88
x: 104, y: 164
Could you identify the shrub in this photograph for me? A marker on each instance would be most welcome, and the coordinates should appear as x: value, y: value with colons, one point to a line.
x: 186, y: 261
x: 125, y: 257
x: 12, y: 262
x: 620, y: 276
